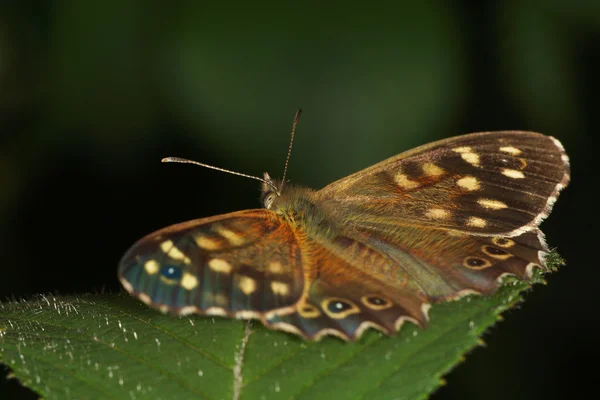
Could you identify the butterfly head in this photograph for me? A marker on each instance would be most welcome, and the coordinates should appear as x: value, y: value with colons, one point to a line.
x: 271, y: 190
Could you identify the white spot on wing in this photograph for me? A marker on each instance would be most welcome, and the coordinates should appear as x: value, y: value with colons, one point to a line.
x: 145, y: 298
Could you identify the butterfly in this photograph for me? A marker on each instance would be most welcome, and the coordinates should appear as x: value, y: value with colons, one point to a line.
x: 371, y: 250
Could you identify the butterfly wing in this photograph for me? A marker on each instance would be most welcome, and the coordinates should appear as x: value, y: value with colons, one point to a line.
x: 253, y: 264
x: 488, y: 183
x: 242, y: 264
x: 381, y: 280
x: 436, y: 223
x: 342, y: 300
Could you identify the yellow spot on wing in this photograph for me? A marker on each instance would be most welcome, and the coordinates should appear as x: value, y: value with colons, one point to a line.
x: 471, y: 158
x: 219, y: 265
x: 468, y: 155
x: 247, y: 285
x: 169, y: 249
x: 207, y: 243
x: 437, y: 213
x: 233, y: 238
x: 464, y: 149
x: 468, y: 182
x: 490, y: 203
x: 166, y: 246
x: 431, y: 169
x: 189, y: 281
x: 151, y: 267
x: 403, y: 181
x: 275, y: 267
x: 476, y: 222
x: 280, y: 288
x: 513, y: 173
x: 523, y: 163
x: 511, y: 150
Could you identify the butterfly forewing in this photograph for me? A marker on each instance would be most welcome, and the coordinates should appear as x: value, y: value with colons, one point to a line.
x: 482, y: 183
x: 240, y: 264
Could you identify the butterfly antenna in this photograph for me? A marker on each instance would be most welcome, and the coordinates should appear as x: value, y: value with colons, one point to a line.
x: 186, y: 161
x: 287, y: 160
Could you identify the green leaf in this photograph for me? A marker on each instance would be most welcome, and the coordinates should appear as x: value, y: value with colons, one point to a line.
x: 114, y: 347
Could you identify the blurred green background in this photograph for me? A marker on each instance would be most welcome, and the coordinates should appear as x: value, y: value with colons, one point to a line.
x: 94, y: 94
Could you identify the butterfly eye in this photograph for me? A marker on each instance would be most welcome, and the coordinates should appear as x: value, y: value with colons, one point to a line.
x: 269, y: 200
x: 171, y: 272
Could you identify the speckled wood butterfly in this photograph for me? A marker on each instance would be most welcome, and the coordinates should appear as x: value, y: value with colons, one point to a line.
x: 373, y: 249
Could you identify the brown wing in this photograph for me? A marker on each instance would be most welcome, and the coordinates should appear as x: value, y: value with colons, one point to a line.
x: 436, y: 223
x: 342, y: 299
x: 482, y: 183
x: 242, y: 264
x: 380, y: 281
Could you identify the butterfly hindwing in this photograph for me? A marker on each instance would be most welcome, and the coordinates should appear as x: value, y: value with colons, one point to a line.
x: 381, y: 282
x: 241, y: 264
x: 343, y: 301
x: 443, y: 265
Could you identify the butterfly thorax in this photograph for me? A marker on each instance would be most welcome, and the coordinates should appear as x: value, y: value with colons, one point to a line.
x: 297, y: 205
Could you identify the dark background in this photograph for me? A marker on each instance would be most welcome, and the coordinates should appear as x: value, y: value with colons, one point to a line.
x: 94, y: 94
